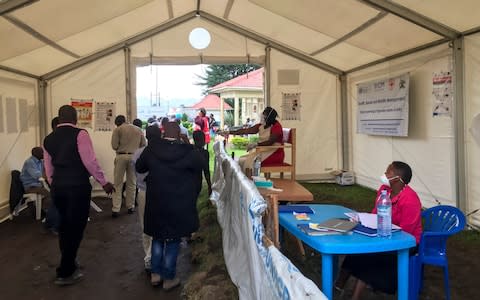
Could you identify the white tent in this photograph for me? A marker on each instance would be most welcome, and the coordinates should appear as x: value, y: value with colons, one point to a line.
x: 55, y: 50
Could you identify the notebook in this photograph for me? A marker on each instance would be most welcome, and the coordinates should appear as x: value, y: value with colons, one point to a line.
x: 361, y: 229
x: 316, y: 232
x: 336, y: 224
x: 295, y: 208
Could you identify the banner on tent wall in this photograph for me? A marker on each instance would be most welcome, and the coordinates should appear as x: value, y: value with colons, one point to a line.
x: 84, y: 109
x: 104, y: 116
x: 383, y: 106
x: 291, y: 106
x: 259, y: 272
x: 442, y: 94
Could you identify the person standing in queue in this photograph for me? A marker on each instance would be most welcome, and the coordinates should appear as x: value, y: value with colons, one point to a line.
x: 69, y: 161
x: 126, y: 139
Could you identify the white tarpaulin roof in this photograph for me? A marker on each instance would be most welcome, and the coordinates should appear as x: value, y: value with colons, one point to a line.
x: 338, y: 35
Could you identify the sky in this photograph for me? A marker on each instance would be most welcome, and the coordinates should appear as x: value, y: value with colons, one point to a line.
x: 173, y: 82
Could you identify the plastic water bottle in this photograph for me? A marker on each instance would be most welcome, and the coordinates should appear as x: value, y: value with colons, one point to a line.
x: 257, y: 163
x: 384, y: 215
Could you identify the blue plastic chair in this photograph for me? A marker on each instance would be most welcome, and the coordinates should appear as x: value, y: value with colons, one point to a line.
x: 440, y: 222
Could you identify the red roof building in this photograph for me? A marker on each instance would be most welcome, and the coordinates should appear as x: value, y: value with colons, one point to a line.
x: 211, y: 102
x: 250, y: 81
x: 247, y: 92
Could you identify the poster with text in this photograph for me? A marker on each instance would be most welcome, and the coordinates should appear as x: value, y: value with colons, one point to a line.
x: 104, y: 116
x: 442, y: 94
x: 291, y: 106
x: 84, y: 109
x: 383, y: 106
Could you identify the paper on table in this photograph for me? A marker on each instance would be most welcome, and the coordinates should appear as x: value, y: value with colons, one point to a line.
x: 368, y: 220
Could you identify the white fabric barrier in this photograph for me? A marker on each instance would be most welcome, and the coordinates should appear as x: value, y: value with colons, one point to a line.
x: 257, y: 271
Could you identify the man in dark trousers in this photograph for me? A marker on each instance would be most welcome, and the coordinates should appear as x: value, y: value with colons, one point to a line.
x: 69, y: 161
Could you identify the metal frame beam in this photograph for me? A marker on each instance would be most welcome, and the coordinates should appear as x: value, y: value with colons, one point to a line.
x: 269, y: 42
x: 42, y: 108
x: 119, y: 46
x: 400, y: 54
x: 29, y: 30
x: 18, y: 72
x: 344, y: 118
x: 359, y: 29
x: 414, y: 17
x: 268, y: 70
x: 12, y: 5
x: 459, y: 123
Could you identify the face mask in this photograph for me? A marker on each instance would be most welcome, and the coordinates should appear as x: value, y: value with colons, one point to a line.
x: 385, y: 180
x: 262, y: 121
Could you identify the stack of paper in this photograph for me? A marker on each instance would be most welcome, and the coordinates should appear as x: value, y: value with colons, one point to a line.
x: 367, y: 223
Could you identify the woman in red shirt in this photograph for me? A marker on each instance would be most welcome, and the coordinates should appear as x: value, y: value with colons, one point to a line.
x: 379, y: 270
x: 270, y: 132
x: 201, y: 124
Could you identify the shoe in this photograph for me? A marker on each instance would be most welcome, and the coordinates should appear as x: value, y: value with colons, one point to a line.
x: 131, y: 211
x: 169, y: 284
x: 155, y: 279
x: 72, y: 279
x: 114, y: 214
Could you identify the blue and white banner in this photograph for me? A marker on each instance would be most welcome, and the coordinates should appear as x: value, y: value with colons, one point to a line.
x: 382, y: 106
x: 258, y: 272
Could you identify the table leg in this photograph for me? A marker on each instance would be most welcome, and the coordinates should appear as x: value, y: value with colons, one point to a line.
x: 276, y: 225
x: 327, y: 275
x: 402, y: 263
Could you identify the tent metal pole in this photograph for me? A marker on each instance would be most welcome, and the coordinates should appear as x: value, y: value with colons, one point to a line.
x: 414, y: 17
x: 128, y: 94
x: 18, y: 72
x: 400, y: 54
x: 268, y: 65
x: 357, y: 30
x: 117, y: 47
x: 11, y: 5
x: 459, y: 123
x: 42, y: 109
x: 39, y: 36
x: 344, y: 118
x: 266, y: 41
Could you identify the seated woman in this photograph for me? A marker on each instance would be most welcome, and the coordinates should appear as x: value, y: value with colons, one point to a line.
x: 270, y: 133
x: 379, y: 270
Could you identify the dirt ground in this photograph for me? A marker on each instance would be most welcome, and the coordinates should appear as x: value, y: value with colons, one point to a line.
x: 111, y: 256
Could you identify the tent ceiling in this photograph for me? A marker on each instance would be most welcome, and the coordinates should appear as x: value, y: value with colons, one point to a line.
x: 337, y: 35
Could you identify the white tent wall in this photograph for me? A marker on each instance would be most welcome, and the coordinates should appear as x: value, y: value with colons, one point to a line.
x: 102, y: 80
x: 429, y: 148
x: 472, y: 109
x: 19, y: 131
x: 318, y: 131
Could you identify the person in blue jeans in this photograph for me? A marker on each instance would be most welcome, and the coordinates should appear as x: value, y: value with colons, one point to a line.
x: 171, y: 193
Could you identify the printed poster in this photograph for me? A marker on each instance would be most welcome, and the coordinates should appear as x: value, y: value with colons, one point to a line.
x: 84, y: 109
x: 104, y: 116
x: 383, y: 106
x: 291, y: 106
x: 442, y: 94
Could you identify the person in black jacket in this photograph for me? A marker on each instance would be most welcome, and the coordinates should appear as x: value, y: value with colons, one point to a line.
x: 170, y: 209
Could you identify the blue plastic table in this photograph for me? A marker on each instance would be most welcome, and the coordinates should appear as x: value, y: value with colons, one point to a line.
x: 331, y: 245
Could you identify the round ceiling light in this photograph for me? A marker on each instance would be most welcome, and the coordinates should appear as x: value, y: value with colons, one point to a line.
x: 199, y: 38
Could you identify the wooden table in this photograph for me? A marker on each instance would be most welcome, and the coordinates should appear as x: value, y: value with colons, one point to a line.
x: 292, y: 191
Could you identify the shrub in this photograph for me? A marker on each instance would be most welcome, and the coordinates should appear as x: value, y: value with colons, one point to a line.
x: 239, y: 142
x: 252, y: 139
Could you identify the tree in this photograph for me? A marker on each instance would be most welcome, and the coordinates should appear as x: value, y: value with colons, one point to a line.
x: 216, y: 74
